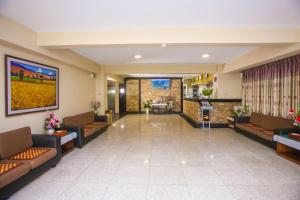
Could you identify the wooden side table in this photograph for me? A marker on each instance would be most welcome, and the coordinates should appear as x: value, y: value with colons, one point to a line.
x: 288, y: 148
x: 67, y: 140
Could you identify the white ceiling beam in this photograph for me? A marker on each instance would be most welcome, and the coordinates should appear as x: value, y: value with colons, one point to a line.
x: 172, y: 36
x: 261, y: 56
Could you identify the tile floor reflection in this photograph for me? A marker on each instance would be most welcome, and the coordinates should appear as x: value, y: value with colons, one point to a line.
x: 161, y: 157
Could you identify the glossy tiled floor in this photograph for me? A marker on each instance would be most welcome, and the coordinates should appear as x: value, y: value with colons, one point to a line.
x: 161, y: 157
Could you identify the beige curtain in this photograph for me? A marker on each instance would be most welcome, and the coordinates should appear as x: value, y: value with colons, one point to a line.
x: 273, y: 88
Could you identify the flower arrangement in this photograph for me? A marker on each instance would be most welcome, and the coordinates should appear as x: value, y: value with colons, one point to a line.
x: 295, y: 116
x: 51, y: 121
x: 95, y: 105
x: 147, y: 104
x: 240, y: 111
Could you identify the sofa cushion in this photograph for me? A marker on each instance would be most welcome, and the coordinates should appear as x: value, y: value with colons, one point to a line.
x: 93, y: 128
x: 272, y: 123
x: 79, y: 120
x: 15, y: 141
x: 18, y: 170
x: 30, y: 153
x: 246, y: 128
x: 249, y: 124
x: 265, y: 134
x: 36, y: 156
x: 256, y: 118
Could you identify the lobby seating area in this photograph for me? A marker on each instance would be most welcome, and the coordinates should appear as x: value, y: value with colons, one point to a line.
x: 86, y: 125
x: 24, y: 157
x: 150, y: 100
x: 262, y: 127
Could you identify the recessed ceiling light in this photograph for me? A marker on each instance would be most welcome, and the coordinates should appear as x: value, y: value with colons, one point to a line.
x: 205, y: 55
x: 163, y: 45
x: 137, y: 56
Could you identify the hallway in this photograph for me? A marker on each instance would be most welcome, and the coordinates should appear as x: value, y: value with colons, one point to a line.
x: 161, y: 157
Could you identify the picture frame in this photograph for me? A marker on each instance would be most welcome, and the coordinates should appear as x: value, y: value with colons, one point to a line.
x: 30, y: 86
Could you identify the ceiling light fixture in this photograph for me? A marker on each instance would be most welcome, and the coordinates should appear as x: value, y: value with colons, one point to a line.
x: 137, y: 56
x: 163, y: 45
x: 205, y: 55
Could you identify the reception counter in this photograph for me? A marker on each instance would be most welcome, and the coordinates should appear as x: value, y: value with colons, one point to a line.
x: 222, y: 109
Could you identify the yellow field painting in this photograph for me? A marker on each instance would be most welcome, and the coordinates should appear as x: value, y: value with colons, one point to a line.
x: 26, y: 95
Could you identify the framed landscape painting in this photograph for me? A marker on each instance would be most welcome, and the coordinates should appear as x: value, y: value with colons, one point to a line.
x: 30, y: 86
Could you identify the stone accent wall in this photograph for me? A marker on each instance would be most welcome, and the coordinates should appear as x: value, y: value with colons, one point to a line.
x: 148, y: 93
x: 191, y: 109
x: 221, y: 111
x: 132, y: 95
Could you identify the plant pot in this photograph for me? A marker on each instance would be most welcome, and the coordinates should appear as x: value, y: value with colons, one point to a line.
x: 147, y: 111
x: 50, y: 131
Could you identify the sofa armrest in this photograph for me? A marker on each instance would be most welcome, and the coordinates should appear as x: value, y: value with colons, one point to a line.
x: 79, y: 130
x: 43, y: 140
x: 244, y: 119
x: 286, y: 130
x: 101, y: 118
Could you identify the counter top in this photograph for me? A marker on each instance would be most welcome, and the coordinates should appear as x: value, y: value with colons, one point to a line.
x: 212, y: 100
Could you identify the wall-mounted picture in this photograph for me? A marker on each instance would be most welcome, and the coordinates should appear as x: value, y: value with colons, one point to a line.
x: 161, y: 83
x: 30, y: 86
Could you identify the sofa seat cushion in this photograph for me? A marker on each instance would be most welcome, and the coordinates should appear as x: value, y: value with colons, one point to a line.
x: 265, y: 134
x: 15, y: 141
x: 245, y: 127
x: 257, y: 128
x: 35, y: 156
x: 93, y: 128
x: 11, y: 171
x: 249, y: 124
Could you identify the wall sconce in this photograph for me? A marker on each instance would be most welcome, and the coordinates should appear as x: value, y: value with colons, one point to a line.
x: 92, y: 75
x: 122, y: 90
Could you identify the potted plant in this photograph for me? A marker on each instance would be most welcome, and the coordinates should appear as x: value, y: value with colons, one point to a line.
x: 240, y: 111
x: 147, y: 106
x: 207, y: 92
x: 51, y: 123
x: 295, y: 116
x: 95, y: 105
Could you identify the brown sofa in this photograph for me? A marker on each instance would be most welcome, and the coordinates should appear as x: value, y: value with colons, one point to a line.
x: 86, y: 125
x: 23, y: 157
x: 262, y: 127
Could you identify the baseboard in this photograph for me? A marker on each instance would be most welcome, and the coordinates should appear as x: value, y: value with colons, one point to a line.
x: 199, y: 125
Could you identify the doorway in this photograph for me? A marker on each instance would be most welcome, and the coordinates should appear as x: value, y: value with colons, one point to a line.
x: 111, y: 96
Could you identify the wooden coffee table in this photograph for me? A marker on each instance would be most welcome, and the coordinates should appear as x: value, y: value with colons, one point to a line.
x: 67, y: 140
x: 288, y: 148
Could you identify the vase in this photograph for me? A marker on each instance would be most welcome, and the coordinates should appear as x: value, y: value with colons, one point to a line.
x: 50, y: 131
x: 147, y: 111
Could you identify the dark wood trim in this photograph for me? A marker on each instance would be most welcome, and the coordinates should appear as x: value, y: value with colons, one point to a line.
x: 214, y: 100
x: 6, y: 56
x: 181, y: 95
x: 190, y: 121
x: 199, y: 125
x: 140, y: 95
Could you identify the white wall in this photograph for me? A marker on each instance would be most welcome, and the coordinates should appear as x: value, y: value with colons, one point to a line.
x: 229, y: 85
x: 76, y: 90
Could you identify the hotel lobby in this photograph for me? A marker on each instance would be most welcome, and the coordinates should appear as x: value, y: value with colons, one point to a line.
x: 156, y: 100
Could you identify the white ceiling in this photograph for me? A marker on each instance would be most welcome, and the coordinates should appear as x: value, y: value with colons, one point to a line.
x: 86, y: 15
x: 189, y: 54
